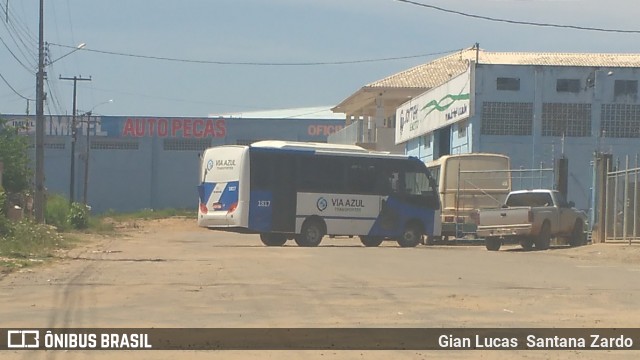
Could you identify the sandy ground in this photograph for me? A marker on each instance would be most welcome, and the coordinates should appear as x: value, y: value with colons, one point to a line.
x: 199, y: 278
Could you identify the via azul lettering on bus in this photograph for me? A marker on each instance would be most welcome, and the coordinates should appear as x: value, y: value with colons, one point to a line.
x: 353, y: 203
x: 225, y: 164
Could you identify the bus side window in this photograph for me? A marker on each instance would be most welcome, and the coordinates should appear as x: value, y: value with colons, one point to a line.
x: 394, y: 179
x: 261, y: 171
x: 321, y: 174
x: 361, y: 178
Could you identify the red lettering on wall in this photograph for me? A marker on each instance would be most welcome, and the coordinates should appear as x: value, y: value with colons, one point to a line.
x: 152, y: 126
x: 127, y: 129
x: 140, y: 127
x: 197, y: 128
x: 326, y: 130
x: 175, y: 126
x: 163, y: 127
x: 209, y: 130
x: 186, y: 126
x: 221, y: 128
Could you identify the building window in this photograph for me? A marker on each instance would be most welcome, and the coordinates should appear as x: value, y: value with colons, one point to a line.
x: 572, y: 120
x: 506, y: 83
x: 620, y: 121
x: 427, y: 141
x: 568, y: 85
x: 502, y: 118
x: 462, y: 129
x: 114, y: 144
x: 186, y: 144
x: 625, y: 88
x: 53, y: 143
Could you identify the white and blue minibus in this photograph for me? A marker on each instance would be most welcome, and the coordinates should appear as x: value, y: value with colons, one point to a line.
x: 304, y: 191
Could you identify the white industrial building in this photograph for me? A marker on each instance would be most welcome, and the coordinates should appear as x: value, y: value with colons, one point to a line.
x: 534, y: 107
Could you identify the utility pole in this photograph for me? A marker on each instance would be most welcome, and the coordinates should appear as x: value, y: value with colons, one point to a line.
x: 72, y: 181
x: 86, y: 160
x: 39, y: 199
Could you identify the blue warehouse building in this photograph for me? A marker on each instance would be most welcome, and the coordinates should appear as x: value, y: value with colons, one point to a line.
x: 152, y: 162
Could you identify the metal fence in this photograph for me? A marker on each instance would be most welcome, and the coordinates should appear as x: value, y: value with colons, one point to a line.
x: 622, y: 220
x: 357, y: 132
x: 540, y: 178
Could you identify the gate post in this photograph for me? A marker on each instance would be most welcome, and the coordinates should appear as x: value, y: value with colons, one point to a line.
x: 601, y: 164
x: 562, y: 179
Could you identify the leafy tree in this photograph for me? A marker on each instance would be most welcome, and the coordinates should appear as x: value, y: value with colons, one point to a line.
x: 14, y: 154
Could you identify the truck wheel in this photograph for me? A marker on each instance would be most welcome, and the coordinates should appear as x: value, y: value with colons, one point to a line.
x: 371, y: 241
x: 273, y: 239
x: 411, y: 236
x: 311, y: 233
x: 577, y: 235
x: 527, y: 244
x: 543, y: 241
x: 493, y: 243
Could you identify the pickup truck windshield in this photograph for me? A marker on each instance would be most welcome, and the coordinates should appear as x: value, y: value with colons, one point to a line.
x: 530, y: 199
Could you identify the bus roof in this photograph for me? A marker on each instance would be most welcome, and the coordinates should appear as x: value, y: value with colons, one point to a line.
x: 297, y: 145
x: 324, y: 148
x: 444, y: 158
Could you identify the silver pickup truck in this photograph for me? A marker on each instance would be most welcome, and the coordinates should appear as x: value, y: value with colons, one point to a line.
x: 532, y: 218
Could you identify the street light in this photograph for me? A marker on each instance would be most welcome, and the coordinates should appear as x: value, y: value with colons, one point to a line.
x: 86, y: 159
x: 79, y: 47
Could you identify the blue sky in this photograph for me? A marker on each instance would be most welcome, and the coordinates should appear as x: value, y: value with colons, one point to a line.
x: 274, y: 31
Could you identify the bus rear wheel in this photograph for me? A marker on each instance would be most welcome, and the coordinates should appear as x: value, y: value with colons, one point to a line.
x: 311, y: 233
x: 371, y: 241
x: 411, y: 236
x: 273, y: 239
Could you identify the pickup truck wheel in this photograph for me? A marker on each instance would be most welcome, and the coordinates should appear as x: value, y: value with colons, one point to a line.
x: 577, y: 235
x: 527, y: 244
x: 543, y: 241
x: 493, y: 243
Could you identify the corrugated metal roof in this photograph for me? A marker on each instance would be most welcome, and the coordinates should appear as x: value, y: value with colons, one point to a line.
x: 439, y: 71
x: 318, y: 112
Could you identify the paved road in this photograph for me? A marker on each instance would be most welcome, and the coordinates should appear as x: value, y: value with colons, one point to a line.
x: 182, y: 276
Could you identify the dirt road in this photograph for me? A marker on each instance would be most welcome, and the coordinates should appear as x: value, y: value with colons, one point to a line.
x: 169, y: 273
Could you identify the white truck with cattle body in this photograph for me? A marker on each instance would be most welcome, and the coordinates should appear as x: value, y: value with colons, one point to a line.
x: 532, y: 218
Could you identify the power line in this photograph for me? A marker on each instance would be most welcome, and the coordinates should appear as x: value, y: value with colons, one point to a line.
x: 481, y: 17
x: 216, y: 62
x: 14, y: 90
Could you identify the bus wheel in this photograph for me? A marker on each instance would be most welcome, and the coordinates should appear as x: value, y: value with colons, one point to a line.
x: 311, y: 233
x: 371, y: 241
x: 411, y: 236
x: 273, y: 239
